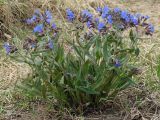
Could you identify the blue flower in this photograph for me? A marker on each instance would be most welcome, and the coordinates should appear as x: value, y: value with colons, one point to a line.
x: 48, y: 21
x: 32, y: 20
x: 117, y: 63
x: 54, y: 26
x: 146, y: 17
x: 49, y: 16
x: 116, y: 10
x: 87, y: 15
x: 127, y: 19
x: 125, y: 16
x: 96, y: 20
x: 109, y: 19
x: 41, y: 17
x: 104, y: 15
x: 50, y: 44
x: 138, y: 15
x: 134, y: 19
x: 105, y: 11
x: 38, y: 29
x: 70, y: 15
x: 7, y: 47
x: 101, y: 26
x: 55, y: 34
x: 99, y: 9
x: 89, y: 24
x: 37, y: 12
x: 151, y: 28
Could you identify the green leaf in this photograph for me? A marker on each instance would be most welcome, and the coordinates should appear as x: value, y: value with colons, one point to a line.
x: 132, y: 36
x: 158, y: 69
x: 106, y: 52
x: 125, y: 83
x: 137, y: 51
x: 79, y: 52
x: 87, y: 90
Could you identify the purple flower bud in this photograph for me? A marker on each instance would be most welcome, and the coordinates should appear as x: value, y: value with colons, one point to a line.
x: 134, y: 19
x: 49, y: 16
x: 50, y: 44
x: 138, y: 15
x: 32, y: 20
x: 29, y: 21
x: 55, y: 34
x: 7, y: 47
x: 48, y: 21
x: 96, y: 20
x: 146, y: 17
x: 151, y: 28
x: 109, y: 19
x: 101, y: 26
x: 99, y: 9
x: 124, y: 14
x: 70, y: 15
x: 87, y: 15
x: 117, y: 63
x: 54, y: 26
x: 116, y: 10
x: 89, y: 24
x: 37, y: 11
x: 105, y: 12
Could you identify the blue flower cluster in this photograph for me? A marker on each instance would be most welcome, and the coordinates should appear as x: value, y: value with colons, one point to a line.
x: 44, y: 24
x: 105, y: 12
x: 106, y: 19
x: 86, y: 16
x: 9, y: 48
x: 111, y: 18
x: 125, y: 16
x: 41, y: 20
x: 116, y: 17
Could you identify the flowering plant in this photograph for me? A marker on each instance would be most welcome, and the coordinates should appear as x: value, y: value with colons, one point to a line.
x: 96, y: 67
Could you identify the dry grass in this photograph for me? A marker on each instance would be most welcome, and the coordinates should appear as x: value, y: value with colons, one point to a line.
x: 15, y: 11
